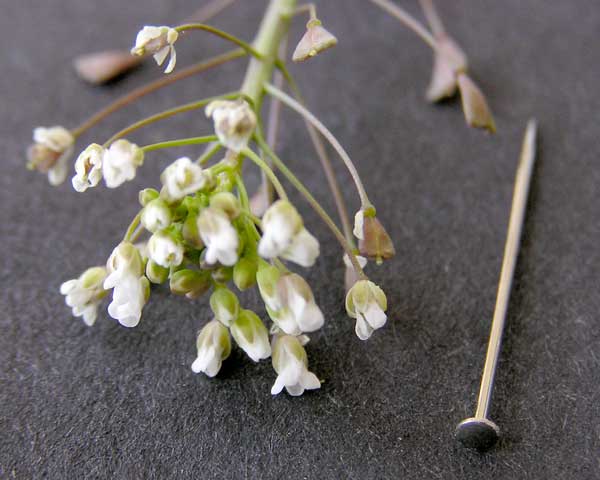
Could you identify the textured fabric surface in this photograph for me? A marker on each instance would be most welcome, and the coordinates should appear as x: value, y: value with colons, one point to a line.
x: 108, y: 402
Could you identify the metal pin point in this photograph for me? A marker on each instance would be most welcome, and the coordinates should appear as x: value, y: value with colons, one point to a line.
x: 479, y: 431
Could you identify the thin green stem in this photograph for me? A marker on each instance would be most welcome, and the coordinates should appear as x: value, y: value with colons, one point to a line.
x: 319, y: 147
x: 268, y: 171
x: 166, y: 114
x: 314, y: 204
x: 294, y: 105
x: 156, y: 85
x: 404, y: 17
x: 209, y: 153
x: 220, y: 33
x: 132, y: 226
x: 182, y: 142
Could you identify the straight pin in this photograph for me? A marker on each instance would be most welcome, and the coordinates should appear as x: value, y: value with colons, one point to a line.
x: 479, y: 431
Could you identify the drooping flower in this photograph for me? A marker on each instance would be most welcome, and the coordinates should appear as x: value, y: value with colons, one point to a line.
x: 88, y: 168
x: 284, y: 235
x: 156, y: 215
x: 219, y: 236
x: 165, y: 250
x: 85, y: 293
x: 251, y: 335
x: 234, y: 122
x: 373, y: 240
x: 289, y: 301
x: 366, y: 302
x: 449, y: 60
x: 214, y: 346
x: 120, y: 162
x: 157, y: 41
x: 291, y: 364
x: 182, y: 178
x: 475, y: 107
x: 50, y: 152
x: 130, y: 288
x: 315, y: 40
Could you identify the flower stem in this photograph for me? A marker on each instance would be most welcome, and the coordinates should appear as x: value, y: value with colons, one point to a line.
x: 132, y: 226
x: 268, y: 171
x: 166, y: 114
x: 220, y: 33
x: 294, y: 105
x: 433, y: 18
x: 319, y: 147
x: 156, y: 85
x: 209, y: 153
x: 404, y: 17
x: 180, y: 143
x: 314, y: 204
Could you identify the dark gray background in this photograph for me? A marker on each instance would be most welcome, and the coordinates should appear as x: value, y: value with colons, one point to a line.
x: 106, y: 401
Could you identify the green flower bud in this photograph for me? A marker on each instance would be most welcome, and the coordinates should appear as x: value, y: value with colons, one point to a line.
x: 190, y: 232
x: 244, y: 272
x: 156, y: 273
x: 267, y: 278
x: 222, y: 274
x: 227, y: 202
x: 190, y: 283
x: 147, y: 195
x: 251, y: 335
x: 225, y: 305
x: 156, y: 215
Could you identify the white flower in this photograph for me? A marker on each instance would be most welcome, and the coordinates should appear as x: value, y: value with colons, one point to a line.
x: 129, y: 297
x: 50, y: 152
x: 120, y: 162
x: 366, y: 302
x: 214, y: 346
x: 157, y: 41
x: 165, y: 250
x: 251, y: 335
x: 181, y: 178
x: 219, y: 236
x: 156, y: 216
x: 88, y: 168
x: 285, y: 236
x: 225, y: 305
x: 291, y: 304
x: 291, y: 364
x: 85, y: 293
x: 359, y: 222
x: 234, y: 122
x: 130, y: 287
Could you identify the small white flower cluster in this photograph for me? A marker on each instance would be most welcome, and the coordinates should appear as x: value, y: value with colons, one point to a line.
x: 117, y: 164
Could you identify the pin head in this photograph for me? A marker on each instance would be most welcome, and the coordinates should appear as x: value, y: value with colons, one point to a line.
x: 477, y: 433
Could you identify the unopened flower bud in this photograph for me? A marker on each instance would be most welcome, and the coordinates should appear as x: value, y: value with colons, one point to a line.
x: 291, y: 364
x: 101, y: 67
x: 147, y: 195
x: 315, y: 40
x: 157, y: 41
x: 222, y: 274
x: 214, y: 346
x: 156, y: 215
x: 190, y: 232
x: 366, y: 302
x: 50, y: 152
x: 219, y: 236
x: 234, y: 122
x: 190, y: 283
x: 250, y: 333
x: 227, y: 202
x: 475, y: 107
x: 373, y: 240
x: 267, y: 278
x: 244, y: 272
x: 225, y: 305
x: 155, y: 273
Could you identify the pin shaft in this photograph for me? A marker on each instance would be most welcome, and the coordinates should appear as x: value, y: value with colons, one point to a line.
x: 511, y: 251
